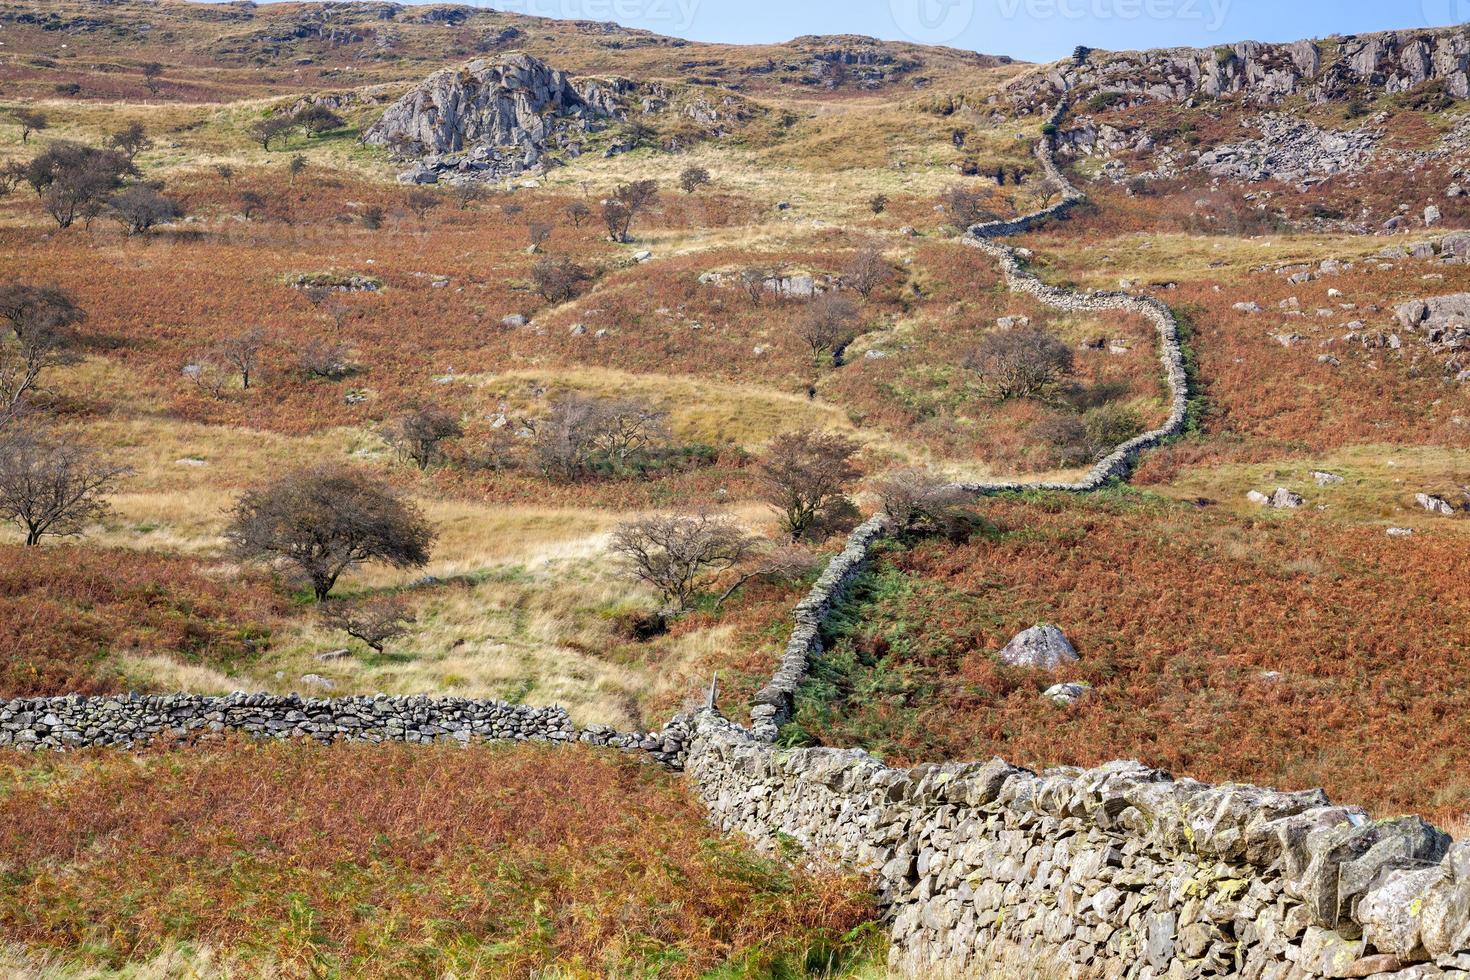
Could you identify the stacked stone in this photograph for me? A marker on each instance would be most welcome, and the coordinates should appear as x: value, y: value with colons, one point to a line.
x: 1115, y: 871
x: 775, y: 702
x: 132, y: 720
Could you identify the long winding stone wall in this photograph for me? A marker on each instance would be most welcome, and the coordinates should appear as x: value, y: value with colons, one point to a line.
x: 1120, y: 871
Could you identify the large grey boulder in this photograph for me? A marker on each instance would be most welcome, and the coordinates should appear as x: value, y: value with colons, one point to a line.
x: 491, y: 116
x: 1043, y: 647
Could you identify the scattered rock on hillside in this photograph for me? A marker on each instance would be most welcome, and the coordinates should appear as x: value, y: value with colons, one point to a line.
x: 1282, y: 499
x: 318, y: 681
x: 1067, y: 694
x: 1435, y: 504
x: 1401, y: 532
x: 331, y: 656
x: 1325, y: 479
x: 1294, y: 150
x: 1043, y: 647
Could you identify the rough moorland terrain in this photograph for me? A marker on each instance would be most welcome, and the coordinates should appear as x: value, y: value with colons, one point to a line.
x: 543, y: 281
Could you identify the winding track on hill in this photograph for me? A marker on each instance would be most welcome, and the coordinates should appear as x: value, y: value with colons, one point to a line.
x: 775, y: 703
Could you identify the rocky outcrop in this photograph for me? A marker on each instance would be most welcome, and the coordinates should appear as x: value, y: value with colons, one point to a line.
x: 1043, y: 647
x: 495, y: 118
x: 1263, y: 74
x: 1293, y: 150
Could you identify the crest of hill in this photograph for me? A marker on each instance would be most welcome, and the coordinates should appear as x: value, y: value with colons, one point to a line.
x: 232, y: 50
x: 1337, y: 69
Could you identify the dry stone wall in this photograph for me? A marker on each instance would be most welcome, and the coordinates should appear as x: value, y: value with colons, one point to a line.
x: 1121, y: 871
x: 128, y: 721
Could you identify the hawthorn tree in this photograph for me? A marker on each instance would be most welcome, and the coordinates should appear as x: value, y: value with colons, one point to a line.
x: 315, y: 119
x: 69, y: 177
x: 266, y: 131
x: 131, y: 140
x: 30, y: 121
x: 50, y: 486
x: 242, y: 353
x: 967, y: 206
x: 675, y: 552
x: 868, y: 271
x: 805, y: 477
x: 626, y: 204
x: 558, y: 279
x: 918, y: 501
x: 419, y: 434
x: 38, y: 333
x: 324, y: 520
x: 693, y: 178
x: 152, y: 72
x: 1023, y: 363
x: 140, y: 207
x: 828, y: 323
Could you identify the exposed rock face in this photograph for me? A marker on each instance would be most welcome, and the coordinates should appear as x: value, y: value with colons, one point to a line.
x: 1265, y: 74
x: 497, y: 118
x: 1292, y: 149
x: 1043, y: 647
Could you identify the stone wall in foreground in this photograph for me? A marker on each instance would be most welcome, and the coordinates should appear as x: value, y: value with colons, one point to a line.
x: 1120, y: 871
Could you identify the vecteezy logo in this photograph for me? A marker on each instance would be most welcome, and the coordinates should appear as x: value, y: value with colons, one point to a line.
x: 1445, y: 13
x: 933, y: 21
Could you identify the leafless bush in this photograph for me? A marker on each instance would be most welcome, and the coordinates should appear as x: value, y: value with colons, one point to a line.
x: 421, y: 201
x: 37, y: 332
x: 1024, y: 363
x: 374, y: 621
x: 868, y: 271
x: 694, y: 178
x: 559, y: 279
x: 242, y: 354
x: 967, y: 206
x: 626, y: 204
x: 419, y: 434
x: 916, y: 500
x: 323, y: 358
x: 578, y: 212
x: 578, y: 431
x: 673, y: 553
x: 828, y: 323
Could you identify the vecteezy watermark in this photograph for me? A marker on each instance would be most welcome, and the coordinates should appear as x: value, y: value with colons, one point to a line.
x: 664, y: 14
x: 1445, y: 13
x: 932, y: 21
x: 1210, y: 14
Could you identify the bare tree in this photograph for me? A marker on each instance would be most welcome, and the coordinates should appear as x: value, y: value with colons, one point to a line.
x: 270, y: 129
x: 626, y: 204
x: 914, y: 500
x: 419, y: 434
x: 323, y: 358
x: 375, y: 621
x: 828, y: 323
x: 39, y: 335
x: 1026, y: 362
x: 242, y: 353
x: 694, y: 178
x: 209, y: 374
x: 579, y: 212
x: 805, y: 477
x: 674, y: 553
x: 131, y: 140
x: 539, y: 233
x: 30, y: 121
x: 868, y: 271
x: 317, y: 119
x: 757, y: 282
x: 421, y: 201
x: 577, y: 430
x: 631, y: 426
x: 324, y: 520
x: 68, y: 176
x: 295, y: 166
x: 878, y: 203
x: 50, y: 487
x: 140, y: 207
x: 467, y: 194
x: 152, y: 72
x: 251, y: 204
x: 558, y: 279
x: 967, y: 206
x: 226, y: 173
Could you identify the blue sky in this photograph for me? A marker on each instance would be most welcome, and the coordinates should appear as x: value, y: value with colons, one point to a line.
x: 1035, y: 30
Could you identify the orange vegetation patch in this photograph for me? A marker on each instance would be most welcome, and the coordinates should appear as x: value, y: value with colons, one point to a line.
x: 65, y: 612
x: 1292, y: 654
x: 391, y: 861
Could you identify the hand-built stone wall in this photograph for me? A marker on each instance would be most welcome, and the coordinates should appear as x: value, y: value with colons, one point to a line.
x: 1120, y: 871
